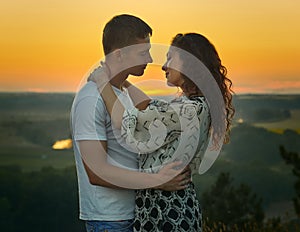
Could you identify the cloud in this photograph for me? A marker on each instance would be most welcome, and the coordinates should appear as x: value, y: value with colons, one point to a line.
x: 274, y: 87
x: 284, y: 86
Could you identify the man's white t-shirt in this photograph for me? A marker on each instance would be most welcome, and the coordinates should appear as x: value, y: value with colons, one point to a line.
x: 91, y: 121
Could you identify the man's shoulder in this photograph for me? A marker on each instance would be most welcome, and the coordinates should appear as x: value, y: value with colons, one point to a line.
x: 88, y: 95
x: 88, y: 91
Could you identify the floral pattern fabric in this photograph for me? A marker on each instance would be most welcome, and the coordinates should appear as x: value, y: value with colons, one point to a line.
x: 162, y: 133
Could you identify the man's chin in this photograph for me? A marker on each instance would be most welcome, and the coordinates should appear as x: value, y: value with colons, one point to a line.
x: 138, y: 74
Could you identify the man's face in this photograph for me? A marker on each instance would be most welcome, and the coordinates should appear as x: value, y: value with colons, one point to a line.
x: 137, y: 56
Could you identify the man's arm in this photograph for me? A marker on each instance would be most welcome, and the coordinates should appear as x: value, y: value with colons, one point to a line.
x: 95, y: 159
x: 95, y: 179
x: 177, y: 183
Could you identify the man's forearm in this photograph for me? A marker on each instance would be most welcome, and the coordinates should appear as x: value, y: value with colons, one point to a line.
x: 96, y: 180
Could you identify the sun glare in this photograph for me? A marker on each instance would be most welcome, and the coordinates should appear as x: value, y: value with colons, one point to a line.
x: 62, y: 144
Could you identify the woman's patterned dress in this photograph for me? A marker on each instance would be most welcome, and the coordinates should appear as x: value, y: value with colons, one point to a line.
x: 162, y: 133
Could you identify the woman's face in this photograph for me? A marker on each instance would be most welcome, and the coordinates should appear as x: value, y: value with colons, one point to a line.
x: 173, y: 63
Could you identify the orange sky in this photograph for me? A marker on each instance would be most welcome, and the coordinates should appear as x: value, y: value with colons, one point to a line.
x: 51, y: 45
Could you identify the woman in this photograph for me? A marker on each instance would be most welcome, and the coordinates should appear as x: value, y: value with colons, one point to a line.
x: 166, y: 131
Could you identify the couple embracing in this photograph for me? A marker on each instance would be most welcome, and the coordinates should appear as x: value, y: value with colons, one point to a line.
x: 135, y: 155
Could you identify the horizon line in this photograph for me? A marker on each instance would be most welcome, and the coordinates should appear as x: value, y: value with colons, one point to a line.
x: 73, y: 92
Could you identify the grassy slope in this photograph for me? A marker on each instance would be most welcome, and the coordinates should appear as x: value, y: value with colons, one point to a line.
x: 31, y: 123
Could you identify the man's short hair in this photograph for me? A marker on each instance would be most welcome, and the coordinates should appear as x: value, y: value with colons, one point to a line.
x: 124, y: 30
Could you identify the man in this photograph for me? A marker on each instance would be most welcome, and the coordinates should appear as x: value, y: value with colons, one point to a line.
x: 105, y: 196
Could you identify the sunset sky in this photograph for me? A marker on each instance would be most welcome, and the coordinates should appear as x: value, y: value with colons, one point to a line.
x: 49, y: 46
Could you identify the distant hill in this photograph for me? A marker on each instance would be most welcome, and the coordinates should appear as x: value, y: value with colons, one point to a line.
x: 31, y: 122
x: 265, y: 108
x: 62, y: 101
x: 37, y: 102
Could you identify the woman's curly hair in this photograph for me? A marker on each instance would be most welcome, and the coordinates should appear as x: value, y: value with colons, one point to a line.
x: 204, y: 50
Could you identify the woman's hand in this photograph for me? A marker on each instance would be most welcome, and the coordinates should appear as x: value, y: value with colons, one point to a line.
x: 179, y: 182
x: 168, y: 172
x: 101, y: 76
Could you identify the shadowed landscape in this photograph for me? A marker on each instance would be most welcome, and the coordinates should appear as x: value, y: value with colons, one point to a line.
x: 33, y: 174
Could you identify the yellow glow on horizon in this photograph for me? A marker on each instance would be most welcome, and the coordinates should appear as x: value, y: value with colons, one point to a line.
x: 51, y: 45
x: 62, y: 144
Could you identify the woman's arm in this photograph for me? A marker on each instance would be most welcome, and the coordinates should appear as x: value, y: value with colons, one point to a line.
x: 101, y: 77
x: 146, y: 130
x: 115, y: 107
x: 139, y: 98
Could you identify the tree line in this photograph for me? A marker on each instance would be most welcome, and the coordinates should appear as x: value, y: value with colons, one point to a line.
x: 47, y: 200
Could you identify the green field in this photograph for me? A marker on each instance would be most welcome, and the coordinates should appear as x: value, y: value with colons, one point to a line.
x: 29, y: 126
x: 292, y: 123
x: 31, y: 123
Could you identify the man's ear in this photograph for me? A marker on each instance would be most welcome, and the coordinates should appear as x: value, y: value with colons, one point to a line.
x: 118, y: 54
x: 114, y: 57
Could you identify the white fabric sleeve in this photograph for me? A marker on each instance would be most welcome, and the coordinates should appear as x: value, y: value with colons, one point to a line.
x: 149, y: 129
x: 89, y: 119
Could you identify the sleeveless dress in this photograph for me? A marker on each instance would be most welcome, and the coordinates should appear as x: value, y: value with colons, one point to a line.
x: 162, y: 133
